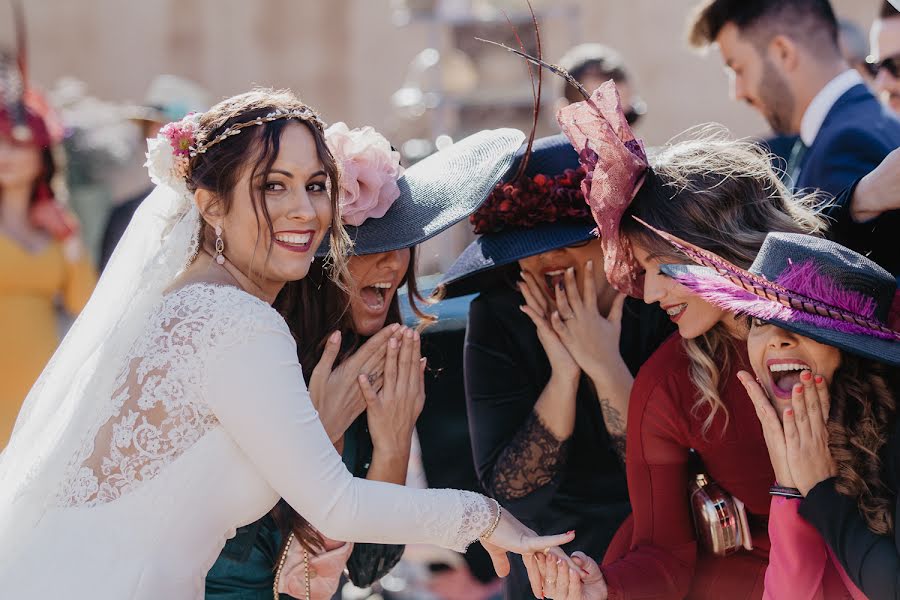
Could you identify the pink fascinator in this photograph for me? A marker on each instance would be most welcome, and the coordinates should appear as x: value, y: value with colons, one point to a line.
x: 615, y: 163
x: 369, y: 170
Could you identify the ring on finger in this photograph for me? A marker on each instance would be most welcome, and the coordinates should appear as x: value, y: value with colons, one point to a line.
x: 372, y: 377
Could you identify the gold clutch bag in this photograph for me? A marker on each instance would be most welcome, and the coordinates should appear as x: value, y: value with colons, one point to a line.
x: 719, y: 518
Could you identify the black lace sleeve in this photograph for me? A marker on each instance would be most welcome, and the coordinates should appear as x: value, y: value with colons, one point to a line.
x: 532, y: 460
x: 370, y: 562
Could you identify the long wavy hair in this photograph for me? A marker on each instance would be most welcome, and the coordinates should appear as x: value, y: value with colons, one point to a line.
x: 722, y: 195
x: 314, y: 307
x: 863, y: 410
x: 220, y: 168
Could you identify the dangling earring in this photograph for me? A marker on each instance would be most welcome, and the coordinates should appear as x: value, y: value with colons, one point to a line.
x: 220, y: 246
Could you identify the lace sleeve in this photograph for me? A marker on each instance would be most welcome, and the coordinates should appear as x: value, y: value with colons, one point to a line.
x: 255, y: 387
x: 531, y: 460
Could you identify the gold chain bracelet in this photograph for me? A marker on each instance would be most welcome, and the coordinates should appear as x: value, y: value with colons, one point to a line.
x: 490, y: 530
x: 283, y: 558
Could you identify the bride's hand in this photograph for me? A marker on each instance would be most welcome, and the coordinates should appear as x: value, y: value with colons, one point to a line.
x: 512, y: 536
x: 336, y: 393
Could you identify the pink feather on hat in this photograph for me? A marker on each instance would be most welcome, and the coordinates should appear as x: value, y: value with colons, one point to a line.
x: 616, y: 164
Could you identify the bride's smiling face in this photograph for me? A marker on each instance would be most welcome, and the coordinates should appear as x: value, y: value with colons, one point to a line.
x: 298, y: 206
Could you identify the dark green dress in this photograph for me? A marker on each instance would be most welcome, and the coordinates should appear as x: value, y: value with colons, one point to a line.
x: 245, y: 570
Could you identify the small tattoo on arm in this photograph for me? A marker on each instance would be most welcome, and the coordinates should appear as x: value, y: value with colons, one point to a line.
x: 615, y: 426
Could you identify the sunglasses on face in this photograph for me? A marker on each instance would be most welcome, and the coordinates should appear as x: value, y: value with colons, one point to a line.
x: 891, y: 63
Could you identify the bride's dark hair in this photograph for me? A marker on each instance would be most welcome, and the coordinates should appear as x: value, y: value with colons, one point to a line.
x: 863, y: 409
x: 314, y: 307
x: 220, y: 167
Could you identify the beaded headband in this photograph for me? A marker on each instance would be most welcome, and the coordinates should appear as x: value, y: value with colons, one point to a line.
x: 304, y: 114
x: 170, y: 152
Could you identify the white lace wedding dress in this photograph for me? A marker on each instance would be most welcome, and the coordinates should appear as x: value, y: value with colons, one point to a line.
x: 209, y: 425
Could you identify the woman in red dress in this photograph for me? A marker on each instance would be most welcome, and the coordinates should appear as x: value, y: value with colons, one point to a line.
x: 687, y: 409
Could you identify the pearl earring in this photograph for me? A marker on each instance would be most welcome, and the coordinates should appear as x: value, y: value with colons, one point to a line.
x: 220, y: 246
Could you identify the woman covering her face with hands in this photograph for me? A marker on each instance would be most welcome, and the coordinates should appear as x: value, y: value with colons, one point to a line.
x: 824, y: 350
x: 550, y: 354
x: 686, y: 405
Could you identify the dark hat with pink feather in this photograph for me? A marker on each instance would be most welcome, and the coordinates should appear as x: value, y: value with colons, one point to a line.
x: 808, y: 285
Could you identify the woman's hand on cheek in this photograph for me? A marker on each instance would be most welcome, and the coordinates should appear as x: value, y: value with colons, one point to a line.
x: 771, y: 426
x: 335, y: 392
x: 806, y: 435
x: 392, y: 412
x: 536, y: 307
x: 591, y: 338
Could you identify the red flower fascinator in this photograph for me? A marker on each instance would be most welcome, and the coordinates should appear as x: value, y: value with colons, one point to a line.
x: 532, y: 201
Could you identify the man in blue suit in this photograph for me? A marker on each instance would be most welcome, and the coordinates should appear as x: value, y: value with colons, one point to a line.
x: 785, y: 62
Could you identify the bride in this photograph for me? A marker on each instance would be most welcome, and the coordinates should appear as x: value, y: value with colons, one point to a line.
x: 175, y: 410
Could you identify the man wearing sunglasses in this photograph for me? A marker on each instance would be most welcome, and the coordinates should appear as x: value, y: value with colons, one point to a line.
x: 884, y: 62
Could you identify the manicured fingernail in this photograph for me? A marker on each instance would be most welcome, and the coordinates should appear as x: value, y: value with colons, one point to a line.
x: 335, y: 337
x: 590, y: 264
x: 789, y: 412
x: 424, y: 360
x: 393, y: 342
x: 805, y: 375
x: 409, y: 334
x: 819, y: 379
x: 416, y: 335
x: 570, y: 532
x: 395, y: 327
x: 798, y: 388
x: 363, y: 378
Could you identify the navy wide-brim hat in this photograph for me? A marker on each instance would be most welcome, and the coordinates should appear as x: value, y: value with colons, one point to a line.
x: 437, y: 192
x: 473, y: 270
x: 811, y: 286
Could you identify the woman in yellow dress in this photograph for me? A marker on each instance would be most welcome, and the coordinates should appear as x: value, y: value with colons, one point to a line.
x: 43, y: 263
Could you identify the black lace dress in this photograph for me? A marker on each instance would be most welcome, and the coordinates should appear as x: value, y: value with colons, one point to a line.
x: 551, y: 485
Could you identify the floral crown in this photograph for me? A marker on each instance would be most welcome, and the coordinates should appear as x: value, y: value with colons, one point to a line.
x: 169, y: 153
x: 533, y: 201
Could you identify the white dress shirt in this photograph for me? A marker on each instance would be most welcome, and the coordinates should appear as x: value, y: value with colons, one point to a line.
x: 821, y: 104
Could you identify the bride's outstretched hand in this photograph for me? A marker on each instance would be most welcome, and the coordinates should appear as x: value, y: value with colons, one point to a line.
x: 512, y: 536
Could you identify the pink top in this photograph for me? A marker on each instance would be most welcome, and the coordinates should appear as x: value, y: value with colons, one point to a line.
x: 801, y: 565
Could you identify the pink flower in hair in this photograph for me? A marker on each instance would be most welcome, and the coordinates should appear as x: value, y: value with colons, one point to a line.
x: 181, y: 135
x: 369, y: 170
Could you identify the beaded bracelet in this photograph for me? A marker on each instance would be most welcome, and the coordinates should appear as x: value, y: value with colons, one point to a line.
x: 490, y: 530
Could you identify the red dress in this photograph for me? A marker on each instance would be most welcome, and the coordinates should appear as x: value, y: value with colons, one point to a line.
x: 655, y: 552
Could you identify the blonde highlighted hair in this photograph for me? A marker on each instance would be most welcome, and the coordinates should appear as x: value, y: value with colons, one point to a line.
x: 723, y: 195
